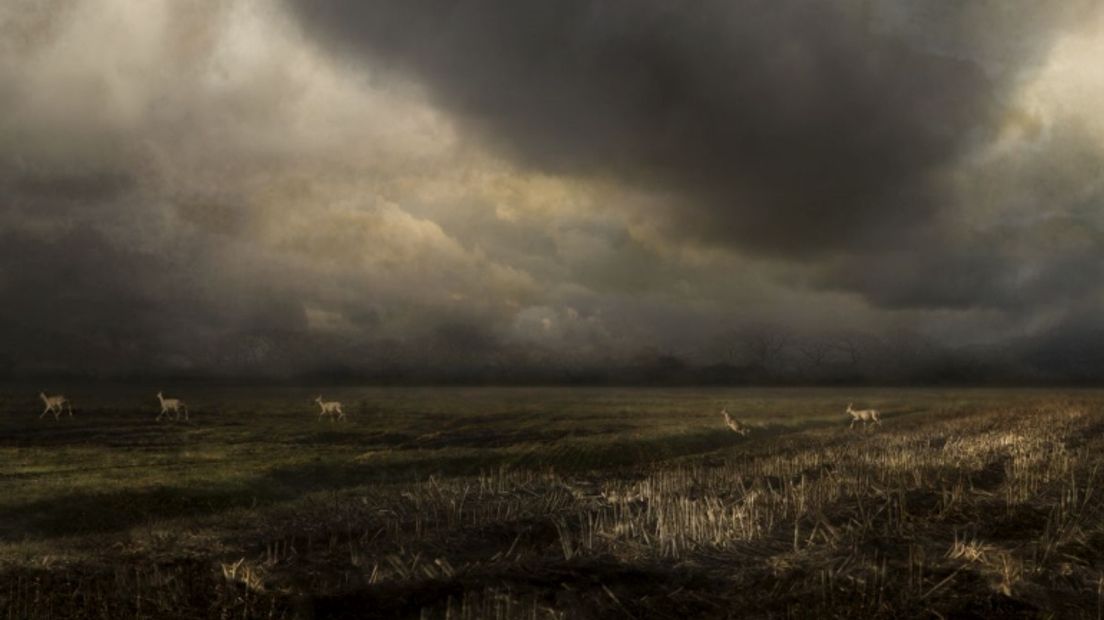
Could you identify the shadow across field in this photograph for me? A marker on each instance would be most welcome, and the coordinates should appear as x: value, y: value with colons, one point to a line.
x: 581, y: 583
x: 84, y: 513
x: 96, y: 513
x: 96, y: 428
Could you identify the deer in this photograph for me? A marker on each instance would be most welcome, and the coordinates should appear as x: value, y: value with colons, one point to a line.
x: 737, y: 426
x: 171, y: 404
x: 863, y: 415
x: 329, y: 407
x: 54, y: 403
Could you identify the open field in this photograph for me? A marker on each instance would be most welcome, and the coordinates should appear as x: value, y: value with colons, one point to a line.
x: 552, y: 503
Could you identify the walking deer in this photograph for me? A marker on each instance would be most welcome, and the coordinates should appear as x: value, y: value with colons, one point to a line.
x: 54, y: 403
x: 331, y: 408
x: 863, y: 415
x: 171, y: 404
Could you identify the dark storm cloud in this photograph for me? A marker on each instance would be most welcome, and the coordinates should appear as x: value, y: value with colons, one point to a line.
x: 76, y: 301
x: 498, y: 183
x: 1042, y: 249
x: 1010, y: 269
x: 786, y: 128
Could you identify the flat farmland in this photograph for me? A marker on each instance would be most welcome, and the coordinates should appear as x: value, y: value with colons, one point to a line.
x: 551, y: 503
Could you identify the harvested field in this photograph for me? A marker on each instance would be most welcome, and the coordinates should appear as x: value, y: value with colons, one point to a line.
x: 550, y: 503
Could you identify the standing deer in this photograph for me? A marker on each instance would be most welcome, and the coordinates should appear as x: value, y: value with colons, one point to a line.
x: 171, y: 404
x: 737, y: 426
x: 54, y: 403
x: 329, y: 407
x: 863, y: 415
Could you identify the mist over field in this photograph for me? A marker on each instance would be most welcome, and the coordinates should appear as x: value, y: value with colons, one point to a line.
x: 583, y: 191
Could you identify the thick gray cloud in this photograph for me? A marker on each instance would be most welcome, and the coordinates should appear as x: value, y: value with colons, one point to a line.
x: 1023, y: 234
x: 826, y: 133
x: 396, y: 187
x: 784, y: 127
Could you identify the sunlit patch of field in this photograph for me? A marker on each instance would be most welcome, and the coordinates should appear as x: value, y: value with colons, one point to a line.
x: 552, y: 503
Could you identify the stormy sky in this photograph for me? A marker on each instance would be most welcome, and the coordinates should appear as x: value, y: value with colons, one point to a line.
x: 273, y: 186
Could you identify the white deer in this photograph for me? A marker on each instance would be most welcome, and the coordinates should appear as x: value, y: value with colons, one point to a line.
x: 330, y: 407
x: 863, y: 415
x: 737, y: 426
x: 171, y: 404
x: 54, y: 403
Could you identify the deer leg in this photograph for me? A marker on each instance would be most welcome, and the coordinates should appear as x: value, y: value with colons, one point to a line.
x: 43, y: 412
